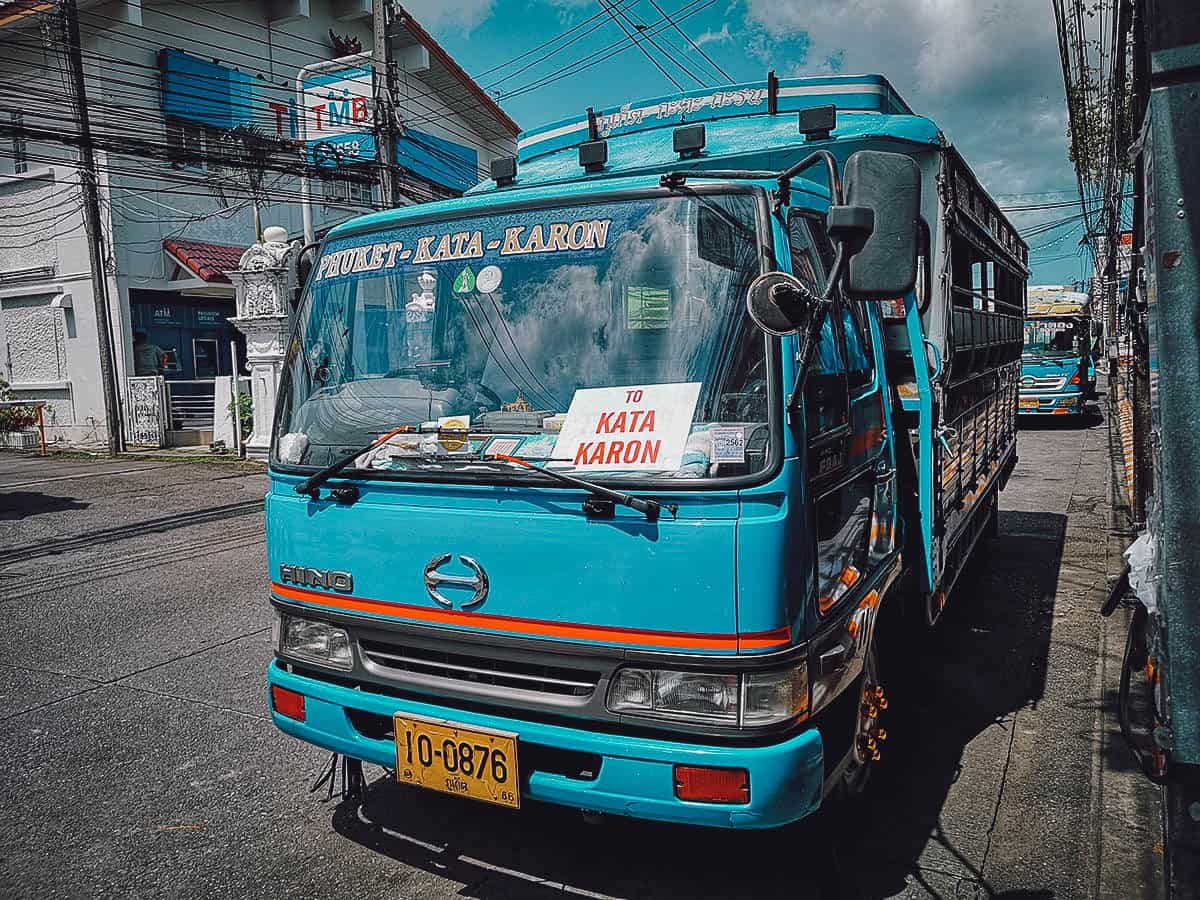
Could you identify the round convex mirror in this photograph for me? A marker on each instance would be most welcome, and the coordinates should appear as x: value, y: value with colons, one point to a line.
x: 779, y: 303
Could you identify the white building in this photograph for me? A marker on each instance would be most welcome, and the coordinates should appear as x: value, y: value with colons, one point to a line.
x: 173, y: 89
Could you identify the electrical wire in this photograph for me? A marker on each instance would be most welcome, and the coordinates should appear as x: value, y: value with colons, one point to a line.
x: 712, y: 62
x: 616, y: 17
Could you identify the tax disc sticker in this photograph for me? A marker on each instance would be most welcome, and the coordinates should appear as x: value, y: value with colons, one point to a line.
x: 465, y: 282
x: 728, y: 444
x: 458, y: 428
x: 488, y: 279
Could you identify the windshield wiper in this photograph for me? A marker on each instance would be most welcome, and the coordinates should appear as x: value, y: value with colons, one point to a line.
x: 651, y: 509
x: 311, y: 485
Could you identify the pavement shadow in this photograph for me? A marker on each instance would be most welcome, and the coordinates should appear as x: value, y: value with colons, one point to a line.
x: 986, y: 659
x: 87, y: 540
x: 1060, y: 423
x: 16, y: 505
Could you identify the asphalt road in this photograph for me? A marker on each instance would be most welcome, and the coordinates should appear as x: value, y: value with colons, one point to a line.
x: 137, y: 758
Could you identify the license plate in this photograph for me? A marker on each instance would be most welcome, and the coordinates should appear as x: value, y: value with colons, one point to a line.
x: 468, y: 762
x: 1029, y: 403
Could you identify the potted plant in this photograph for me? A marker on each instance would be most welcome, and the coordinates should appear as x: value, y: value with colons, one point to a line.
x: 16, y: 423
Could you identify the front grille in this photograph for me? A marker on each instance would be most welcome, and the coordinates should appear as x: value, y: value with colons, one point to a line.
x: 477, y: 669
x: 1043, y: 383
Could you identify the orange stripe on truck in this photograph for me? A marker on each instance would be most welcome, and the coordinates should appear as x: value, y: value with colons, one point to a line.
x: 763, y: 640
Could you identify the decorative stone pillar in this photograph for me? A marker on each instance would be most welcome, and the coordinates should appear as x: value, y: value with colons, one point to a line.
x: 264, y: 280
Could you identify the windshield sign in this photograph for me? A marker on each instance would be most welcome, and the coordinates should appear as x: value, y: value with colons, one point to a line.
x: 1051, y: 337
x: 609, y: 339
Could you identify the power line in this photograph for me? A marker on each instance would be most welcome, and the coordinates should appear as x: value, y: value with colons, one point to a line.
x: 646, y: 53
x: 712, y: 62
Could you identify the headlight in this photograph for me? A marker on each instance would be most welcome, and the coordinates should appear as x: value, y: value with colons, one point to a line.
x: 317, y: 642
x: 750, y: 699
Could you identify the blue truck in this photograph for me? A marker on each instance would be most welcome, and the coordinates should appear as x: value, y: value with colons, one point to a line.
x: 1058, y: 372
x: 592, y: 486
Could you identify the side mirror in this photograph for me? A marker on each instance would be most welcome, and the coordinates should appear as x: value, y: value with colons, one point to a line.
x: 884, y: 263
x: 779, y: 303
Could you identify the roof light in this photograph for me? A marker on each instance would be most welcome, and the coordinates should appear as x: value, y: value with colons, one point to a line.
x: 504, y: 170
x: 593, y: 155
x: 688, y: 141
x: 817, y: 122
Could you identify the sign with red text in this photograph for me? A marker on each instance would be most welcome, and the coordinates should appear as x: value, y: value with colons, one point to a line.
x: 642, y: 426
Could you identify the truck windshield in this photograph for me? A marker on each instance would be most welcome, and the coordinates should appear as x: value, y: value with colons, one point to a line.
x: 532, y: 331
x: 1053, y: 337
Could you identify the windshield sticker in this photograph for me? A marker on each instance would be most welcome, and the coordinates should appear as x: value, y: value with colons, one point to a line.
x: 453, y: 443
x: 423, y: 301
x: 488, y: 279
x: 728, y: 444
x: 502, y: 446
x: 514, y: 240
x: 465, y: 282
x: 635, y: 427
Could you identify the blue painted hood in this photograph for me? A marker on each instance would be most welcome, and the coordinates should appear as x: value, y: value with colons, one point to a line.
x: 1045, y: 366
x: 553, y: 572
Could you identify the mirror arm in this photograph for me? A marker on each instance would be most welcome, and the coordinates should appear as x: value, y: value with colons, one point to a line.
x: 817, y: 156
x: 808, y: 341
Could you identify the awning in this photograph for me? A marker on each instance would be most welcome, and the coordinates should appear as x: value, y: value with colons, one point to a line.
x: 205, y: 261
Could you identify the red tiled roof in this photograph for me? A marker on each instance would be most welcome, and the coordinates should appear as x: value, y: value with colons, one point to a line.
x: 482, y: 97
x: 208, y: 262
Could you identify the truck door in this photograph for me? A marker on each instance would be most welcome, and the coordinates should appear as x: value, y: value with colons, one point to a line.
x: 848, y: 470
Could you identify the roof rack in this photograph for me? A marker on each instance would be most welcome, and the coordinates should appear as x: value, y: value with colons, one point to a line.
x: 853, y: 93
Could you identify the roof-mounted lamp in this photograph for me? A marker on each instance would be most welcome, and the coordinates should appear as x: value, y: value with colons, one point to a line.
x: 504, y: 170
x: 688, y: 141
x: 593, y: 155
x: 816, y: 123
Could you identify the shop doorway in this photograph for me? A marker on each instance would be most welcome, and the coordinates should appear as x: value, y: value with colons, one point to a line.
x: 189, y: 342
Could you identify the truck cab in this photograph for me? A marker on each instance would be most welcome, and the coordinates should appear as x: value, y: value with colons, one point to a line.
x: 1058, y: 373
x: 588, y: 487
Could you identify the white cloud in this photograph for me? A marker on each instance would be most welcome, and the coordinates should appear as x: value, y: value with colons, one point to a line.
x: 987, y: 72
x: 461, y: 14
x: 714, y: 37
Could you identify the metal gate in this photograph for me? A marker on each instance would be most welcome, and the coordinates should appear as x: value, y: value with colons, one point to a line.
x: 146, y: 411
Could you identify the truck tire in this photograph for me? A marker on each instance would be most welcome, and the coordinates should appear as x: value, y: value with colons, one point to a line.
x: 856, y: 777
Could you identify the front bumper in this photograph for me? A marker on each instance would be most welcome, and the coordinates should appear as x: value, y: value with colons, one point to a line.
x: 635, y: 776
x: 1044, y: 404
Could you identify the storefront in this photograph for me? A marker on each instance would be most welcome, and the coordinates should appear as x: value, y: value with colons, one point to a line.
x: 193, y: 334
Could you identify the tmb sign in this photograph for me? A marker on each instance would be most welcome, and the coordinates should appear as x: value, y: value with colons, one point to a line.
x: 633, y: 427
x: 337, y: 117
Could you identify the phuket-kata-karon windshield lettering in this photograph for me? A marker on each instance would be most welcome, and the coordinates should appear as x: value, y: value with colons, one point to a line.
x: 609, y: 339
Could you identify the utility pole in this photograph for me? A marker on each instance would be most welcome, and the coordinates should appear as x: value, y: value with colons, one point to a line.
x: 89, y: 185
x: 385, y: 109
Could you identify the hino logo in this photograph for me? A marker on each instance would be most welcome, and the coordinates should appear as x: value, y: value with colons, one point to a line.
x: 477, y: 581
x: 322, y: 578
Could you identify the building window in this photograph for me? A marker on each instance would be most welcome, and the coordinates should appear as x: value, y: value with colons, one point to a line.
x: 20, y: 149
x: 348, y: 192
x: 185, y: 143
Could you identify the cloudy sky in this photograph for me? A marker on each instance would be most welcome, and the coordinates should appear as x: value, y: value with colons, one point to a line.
x: 987, y: 71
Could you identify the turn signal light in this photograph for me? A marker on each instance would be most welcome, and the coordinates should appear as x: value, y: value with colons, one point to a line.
x: 1074, y: 379
x: 287, y: 703
x: 703, y: 784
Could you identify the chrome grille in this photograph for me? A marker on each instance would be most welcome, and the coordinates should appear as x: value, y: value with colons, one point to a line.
x: 481, y: 670
x: 1043, y: 383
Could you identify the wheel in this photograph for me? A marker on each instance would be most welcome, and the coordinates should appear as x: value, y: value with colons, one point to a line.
x: 868, y: 734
